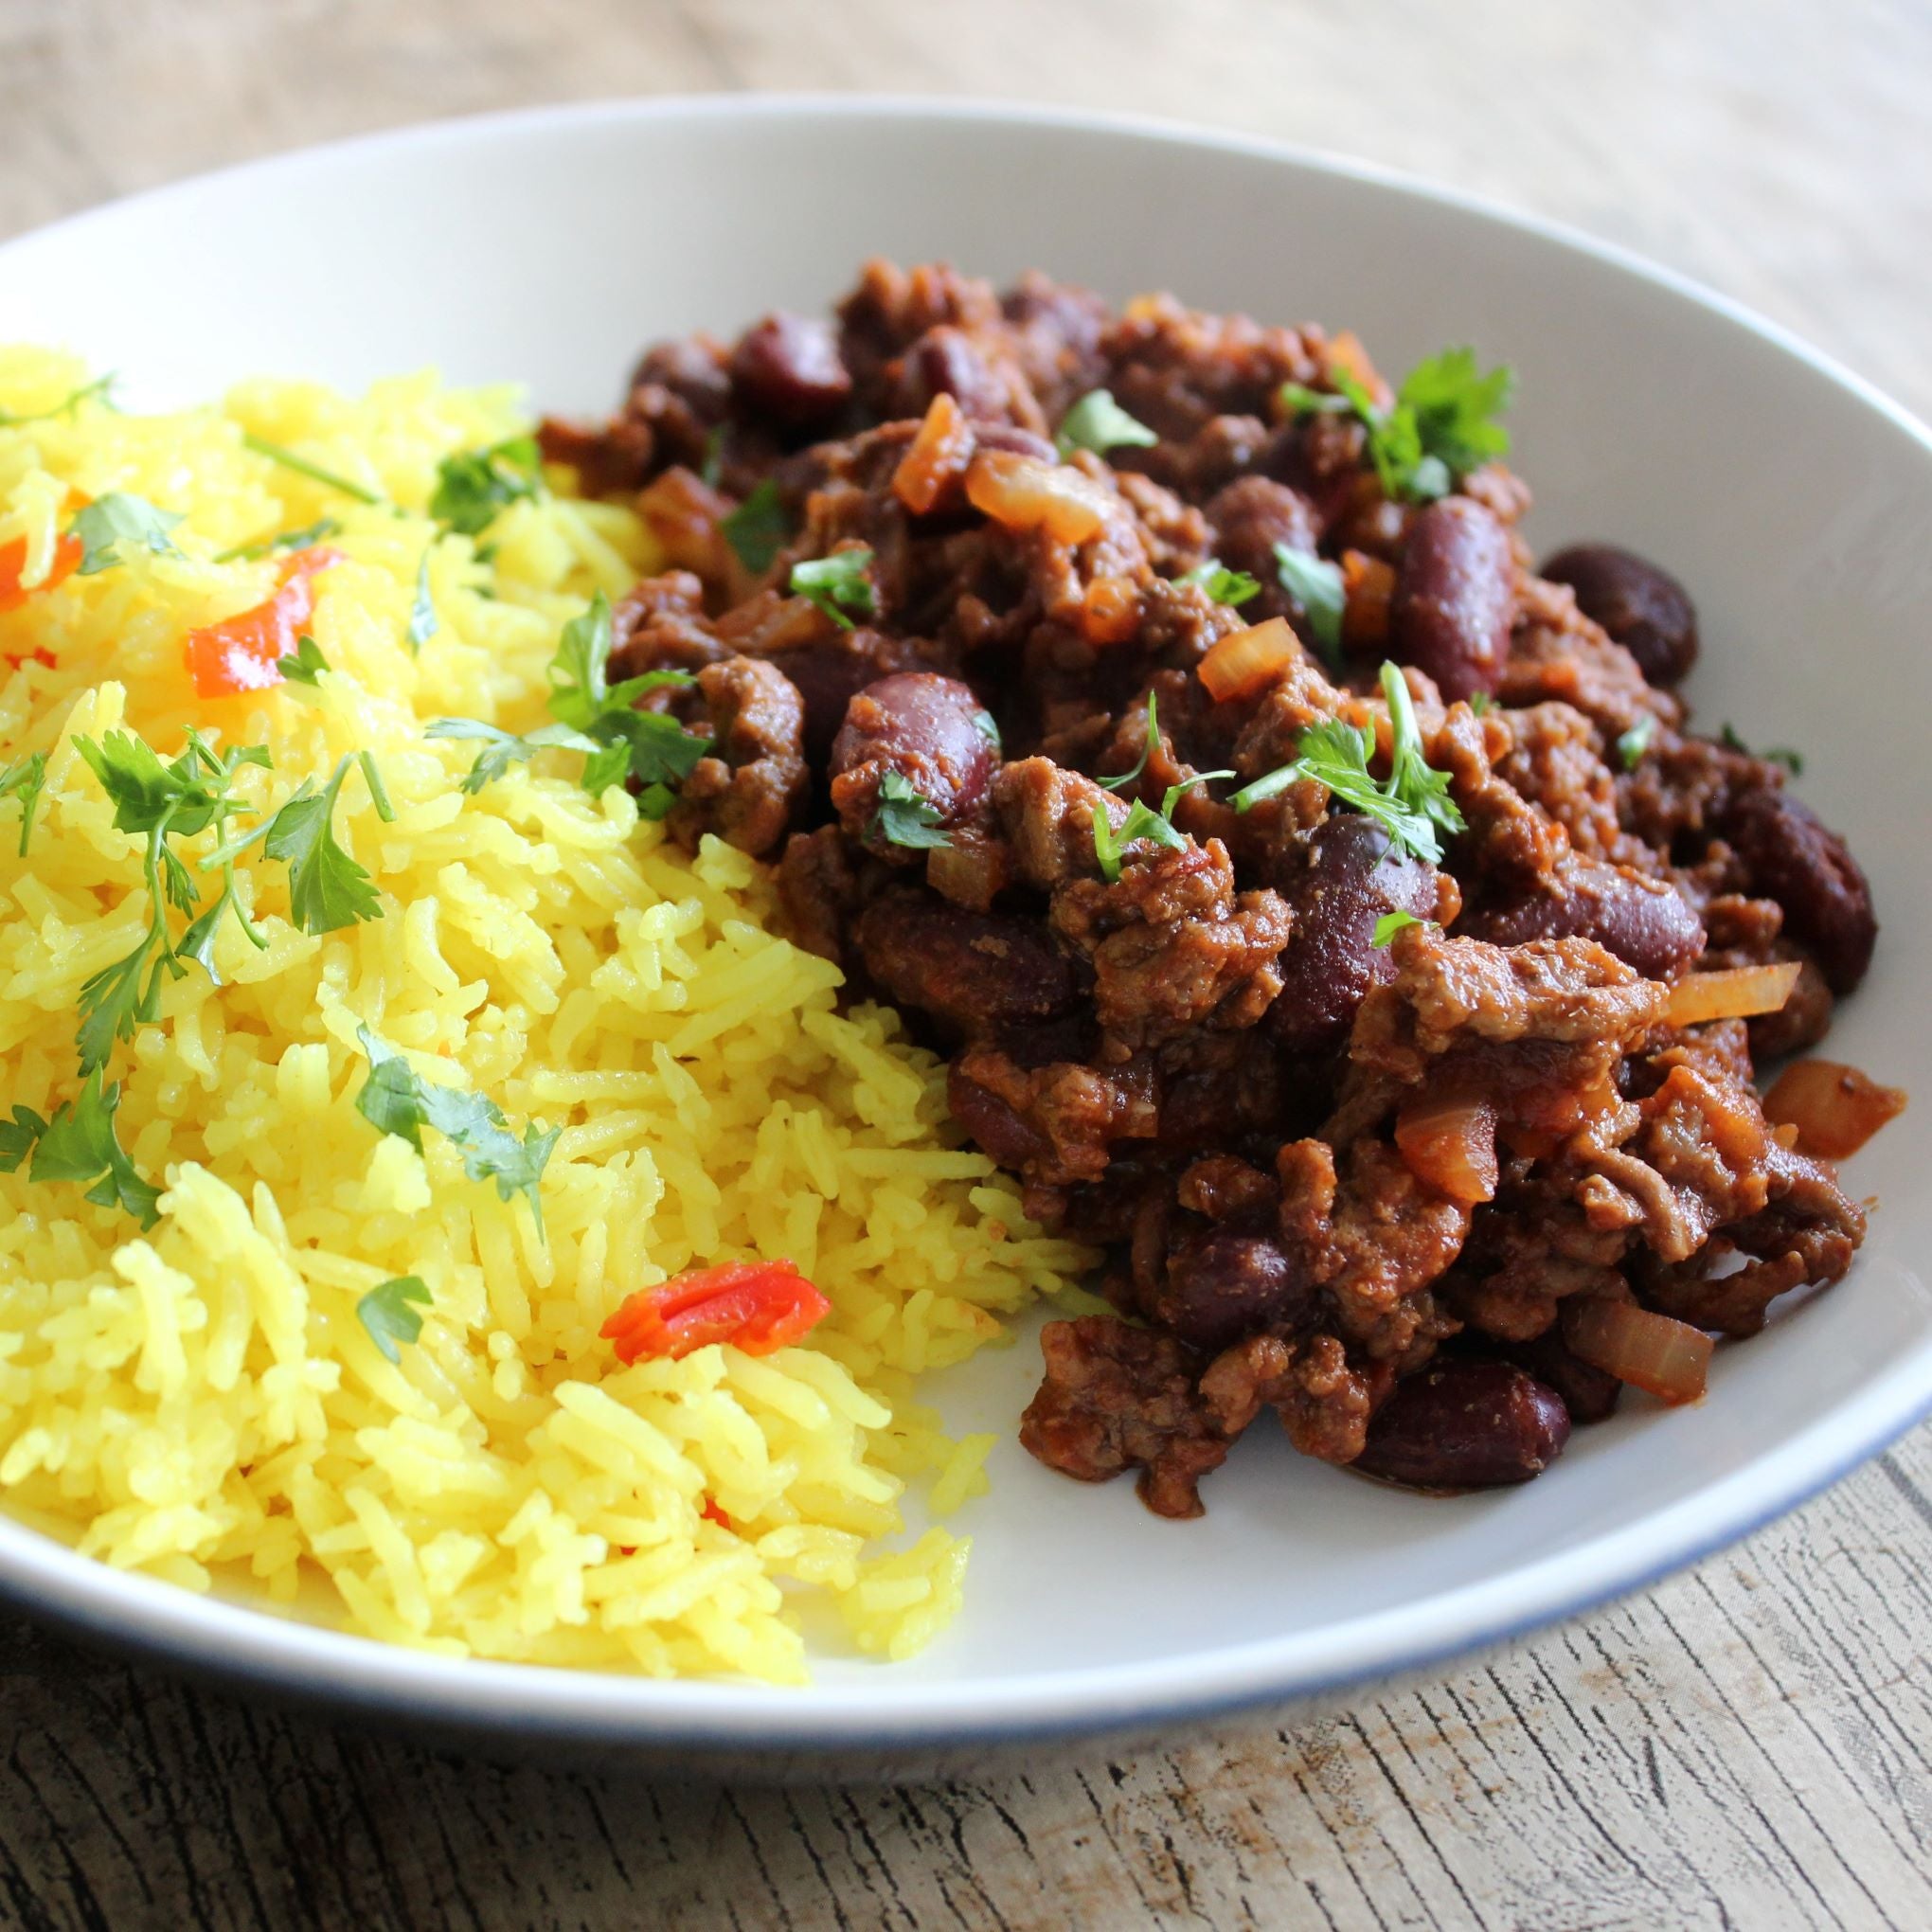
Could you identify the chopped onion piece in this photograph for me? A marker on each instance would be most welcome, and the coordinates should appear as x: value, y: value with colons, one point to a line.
x: 1449, y: 1143
x: 935, y: 457
x: 1024, y: 494
x: 1735, y: 994
x: 1834, y: 1109
x: 1249, y: 661
x: 1652, y: 1352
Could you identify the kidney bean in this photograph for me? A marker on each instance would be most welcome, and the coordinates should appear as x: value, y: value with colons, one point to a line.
x: 1647, y: 922
x: 975, y: 972
x: 931, y: 731
x: 1464, y: 1423
x: 1249, y: 517
x: 992, y: 1125
x: 1641, y: 605
x: 788, y: 367
x: 1351, y: 876
x: 1455, y: 596
x: 947, y: 360
x: 1589, y: 1394
x: 1805, y: 866
x: 1225, y: 1283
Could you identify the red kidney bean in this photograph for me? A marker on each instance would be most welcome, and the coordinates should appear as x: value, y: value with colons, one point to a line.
x: 947, y: 360
x: 1249, y: 517
x: 931, y: 731
x: 1223, y: 1284
x: 1647, y: 922
x: 1455, y: 596
x: 788, y: 367
x: 1641, y: 605
x: 992, y: 1125
x: 977, y: 971
x: 1465, y: 1424
x: 1589, y: 1394
x: 1792, y: 858
x: 1351, y: 877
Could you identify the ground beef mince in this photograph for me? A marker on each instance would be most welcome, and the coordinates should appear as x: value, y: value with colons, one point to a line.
x: 1322, y: 911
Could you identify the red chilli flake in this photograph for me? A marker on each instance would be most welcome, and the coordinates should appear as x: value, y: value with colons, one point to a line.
x: 712, y: 1513
x: 756, y: 1306
x: 243, y: 653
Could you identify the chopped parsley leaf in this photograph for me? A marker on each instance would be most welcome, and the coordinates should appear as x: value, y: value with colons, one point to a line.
x: 305, y: 664
x: 906, y: 818
x: 1146, y: 750
x: 475, y: 486
x: 1224, y: 585
x: 758, y: 529
x: 96, y: 389
x: 1389, y: 924
x: 386, y: 1313
x: 1143, y: 823
x: 313, y: 472
x: 1442, y: 423
x: 838, y: 585
x: 395, y: 1099
x: 25, y: 780
x: 328, y: 890
x: 1792, y: 760
x: 1315, y: 584
x: 79, y: 1144
x: 1097, y: 422
x: 1633, y: 743
x: 1412, y: 806
x: 117, y: 518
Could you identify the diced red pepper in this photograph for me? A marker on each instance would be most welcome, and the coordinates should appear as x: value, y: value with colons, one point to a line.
x: 712, y: 1513
x: 67, y: 554
x: 241, y: 653
x: 756, y: 1306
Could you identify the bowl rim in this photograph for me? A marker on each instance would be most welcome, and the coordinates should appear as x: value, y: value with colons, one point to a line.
x: 319, y: 1664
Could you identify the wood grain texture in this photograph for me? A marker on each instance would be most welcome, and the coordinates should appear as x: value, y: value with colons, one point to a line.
x: 1745, y: 1746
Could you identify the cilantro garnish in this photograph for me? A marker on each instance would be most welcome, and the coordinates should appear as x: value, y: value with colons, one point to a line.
x: 160, y: 801
x: 1224, y: 585
x: 988, y: 727
x: 303, y: 466
x: 305, y: 664
x: 117, y: 518
x: 1633, y: 743
x: 1413, y: 805
x: 386, y: 1313
x: 379, y: 793
x: 283, y: 540
x: 79, y: 1144
x: 1792, y: 760
x: 1146, y: 750
x: 1441, y: 425
x: 475, y: 486
x: 1389, y: 924
x: 98, y: 387
x: 1143, y: 823
x: 328, y: 890
x: 595, y: 717
x: 758, y: 529
x: 1315, y: 584
x: 1097, y: 422
x: 1482, y: 702
x: 838, y: 583
x: 423, y: 622
x: 395, y: 1099
x: 25, y: 780
x: 905, y: 818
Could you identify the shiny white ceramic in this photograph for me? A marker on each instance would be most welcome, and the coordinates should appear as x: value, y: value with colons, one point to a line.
x: 1794, y: 500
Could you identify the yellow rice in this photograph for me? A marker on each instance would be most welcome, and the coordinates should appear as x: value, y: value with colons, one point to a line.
x: 201, y: 1403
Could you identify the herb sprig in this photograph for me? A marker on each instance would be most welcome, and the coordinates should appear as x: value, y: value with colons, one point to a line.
x: 1315, y: 584
x: 1097, y: 422
x: 80, y: 1143
x: 838, y: 585
x: 1224, y: 585
x: 107, y: 522
x: 25, y: 780
x: 386, y: 1313
x: 99, y: 389
x: 904, y: 817
x: 1442, y: 423
x: 397, y: 1099
x: 596, y: 717
x: 758, y: 529
x: 1412, y: 805
x: 475, y: 486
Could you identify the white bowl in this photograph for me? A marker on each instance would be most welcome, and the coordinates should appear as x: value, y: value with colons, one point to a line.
x: 1795, y: 502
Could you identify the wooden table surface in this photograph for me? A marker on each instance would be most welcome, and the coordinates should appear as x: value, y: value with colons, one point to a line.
x: 1745, y: 1746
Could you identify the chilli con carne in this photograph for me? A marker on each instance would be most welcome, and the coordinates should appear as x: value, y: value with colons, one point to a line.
x: 1324, y: 910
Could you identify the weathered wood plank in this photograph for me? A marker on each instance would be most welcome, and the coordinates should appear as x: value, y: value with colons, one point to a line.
x: 1745, y: 1746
